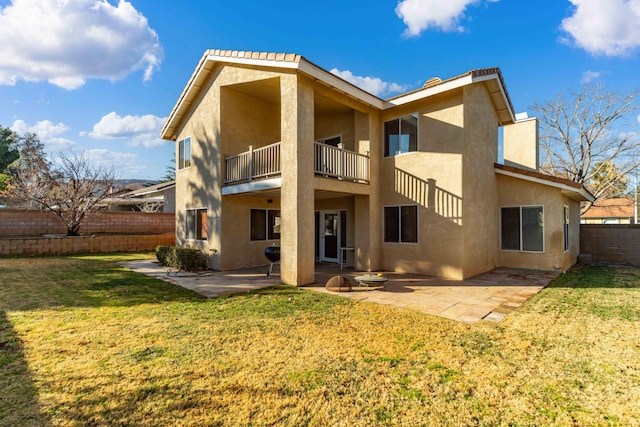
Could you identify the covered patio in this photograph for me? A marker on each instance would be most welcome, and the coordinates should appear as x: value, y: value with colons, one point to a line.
x: 488, y: 297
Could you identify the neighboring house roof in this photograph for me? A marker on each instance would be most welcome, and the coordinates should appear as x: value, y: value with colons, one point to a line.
x: 491, y: 76
x: 611, y: 208
x: 150, y: 189
x: 570, y: 188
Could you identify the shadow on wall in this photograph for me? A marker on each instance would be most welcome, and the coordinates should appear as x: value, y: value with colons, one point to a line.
x: 19, y: 401
x: 203, y: 189
x: 426, y: 193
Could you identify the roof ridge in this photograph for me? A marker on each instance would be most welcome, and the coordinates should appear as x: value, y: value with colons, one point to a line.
x: 248, y: 54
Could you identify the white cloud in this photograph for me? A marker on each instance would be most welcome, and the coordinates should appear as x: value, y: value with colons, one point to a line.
x: 372, y: 85
x: 589, y: 76
x: 610, y: 28
x: 125, y: 164
x: 48, y: 133
x: 420, y: 15
x: 139, y: 130
x: 66, y: 42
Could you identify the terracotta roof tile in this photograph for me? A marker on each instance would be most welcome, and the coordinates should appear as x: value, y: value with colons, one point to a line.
x: 616, y: 207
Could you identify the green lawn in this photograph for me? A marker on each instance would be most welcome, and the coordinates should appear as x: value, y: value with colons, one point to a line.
x: 85, y: 342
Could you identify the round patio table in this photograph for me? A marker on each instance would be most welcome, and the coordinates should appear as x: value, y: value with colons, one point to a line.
x: 371, y: 281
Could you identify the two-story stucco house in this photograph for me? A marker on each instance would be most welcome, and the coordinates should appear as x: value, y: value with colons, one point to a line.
x: 274, y: 150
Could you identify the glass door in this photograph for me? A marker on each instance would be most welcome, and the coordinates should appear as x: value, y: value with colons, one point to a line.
x: 329, y: 236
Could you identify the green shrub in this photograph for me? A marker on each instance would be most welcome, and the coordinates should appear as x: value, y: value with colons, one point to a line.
x: 187, y: 259
x: 161, y: 253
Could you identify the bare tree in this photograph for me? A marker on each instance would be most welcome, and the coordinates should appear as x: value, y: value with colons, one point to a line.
x: 583, y: 138
x: 69, y: 188
x: 151, y: 206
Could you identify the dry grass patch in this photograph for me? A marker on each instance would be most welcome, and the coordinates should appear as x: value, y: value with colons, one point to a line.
x: 93, y: 344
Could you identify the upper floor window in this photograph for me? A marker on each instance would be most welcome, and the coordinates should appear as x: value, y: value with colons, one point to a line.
x: 184, y: 153
x: 401, y: 135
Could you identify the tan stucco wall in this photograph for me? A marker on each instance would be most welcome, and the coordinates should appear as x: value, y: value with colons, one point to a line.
x: 247, y: 121
x: 328, y: 125
x: 480, y: 193
x: 237, y: 249
x: 516, y: 192
x: 432, y: 179
x: 199, y: 186
x: 520, y: 144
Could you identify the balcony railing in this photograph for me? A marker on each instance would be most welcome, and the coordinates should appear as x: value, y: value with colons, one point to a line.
x: 253, y: 164
x: 264, y: 162
x: 339, y: 163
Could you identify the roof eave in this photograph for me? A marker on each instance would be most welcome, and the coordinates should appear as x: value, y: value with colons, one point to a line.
x: 501, y: 99
x: 260, y: 59
x: 574, y: 193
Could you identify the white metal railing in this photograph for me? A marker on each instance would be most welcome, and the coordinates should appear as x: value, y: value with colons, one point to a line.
x: 255, y: 163
x: 329, y: 161
x: 340, y: 163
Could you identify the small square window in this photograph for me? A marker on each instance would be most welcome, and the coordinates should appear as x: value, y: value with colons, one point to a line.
x: 265, y: 224
x: 401, y: 224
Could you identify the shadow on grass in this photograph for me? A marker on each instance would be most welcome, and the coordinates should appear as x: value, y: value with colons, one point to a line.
x: 65, y: 282
x: 599, y: 277
x: 19, y: 397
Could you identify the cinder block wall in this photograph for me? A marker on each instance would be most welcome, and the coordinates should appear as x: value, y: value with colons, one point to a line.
x: 613, y: 243
x: 21, y: 233
x: 16, y: 246
x: 18, y: 222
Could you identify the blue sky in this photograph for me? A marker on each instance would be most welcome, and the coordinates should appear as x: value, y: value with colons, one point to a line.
x: 102, y: 76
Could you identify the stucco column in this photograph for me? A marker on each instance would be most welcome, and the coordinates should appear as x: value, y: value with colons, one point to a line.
x: 368, y: 211
x: 297, y: 195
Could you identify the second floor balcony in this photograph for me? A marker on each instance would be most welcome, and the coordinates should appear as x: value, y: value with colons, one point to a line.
x: 265, y: 162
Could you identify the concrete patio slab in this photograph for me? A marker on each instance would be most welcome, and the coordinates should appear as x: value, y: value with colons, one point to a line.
x: 487, y: 297
x: 209, y: 283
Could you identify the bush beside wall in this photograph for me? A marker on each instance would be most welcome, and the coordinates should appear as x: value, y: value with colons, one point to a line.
x: 188, y: 259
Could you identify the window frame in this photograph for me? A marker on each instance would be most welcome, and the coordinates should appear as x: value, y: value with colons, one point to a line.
x: 400, y: 227
x: 566, y: 220
x: 385, y: 144
x: 183, y: 162
x: 325, y: 140
x: 520, y: 230
x: 199, y: 232
x: 269, y: 234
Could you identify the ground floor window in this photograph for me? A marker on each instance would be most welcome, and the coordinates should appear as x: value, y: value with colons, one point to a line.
x: 401, y: 224
x: 196, y: 224
x: 265, y: 224
x: 522, y: 228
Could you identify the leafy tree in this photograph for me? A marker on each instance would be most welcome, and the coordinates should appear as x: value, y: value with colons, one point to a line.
x: 9, y: 151
x: 582, y: 138
x: 607, y: 176
x: 170, y: 172
x: 70, y: 188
